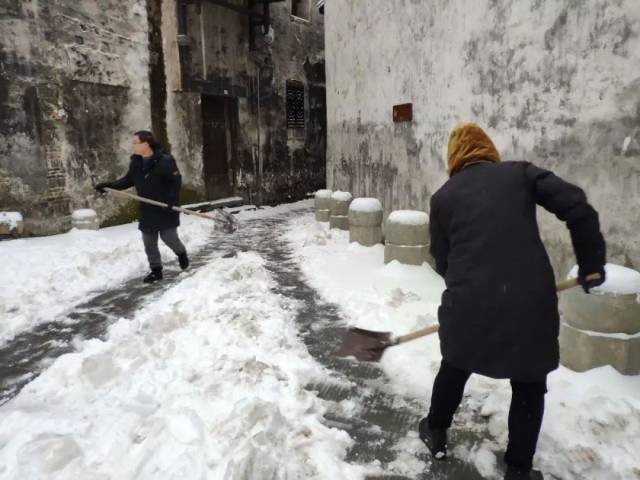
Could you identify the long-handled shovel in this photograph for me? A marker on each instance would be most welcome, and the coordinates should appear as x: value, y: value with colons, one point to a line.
x: 227, y: 221
x: 369, y: 346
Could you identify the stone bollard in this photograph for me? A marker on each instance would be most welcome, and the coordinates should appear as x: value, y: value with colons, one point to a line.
x: 85, y: 219
x: 11, y: 223
x: 365, y: 221
x: 407, y: 237
x: 340, y: 202
x: 322, y: 205
x: 602, y: 328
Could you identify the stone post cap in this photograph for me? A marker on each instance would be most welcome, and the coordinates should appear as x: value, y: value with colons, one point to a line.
x: 83, y: 215
x: 408, y: 217
x: 323, y: 194
x: 10, y: 218
x: 341, y: 196
x: 366, y: 205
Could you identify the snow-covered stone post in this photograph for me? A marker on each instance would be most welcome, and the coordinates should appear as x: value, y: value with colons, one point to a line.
x: 322, y: 205
x: 85, y: 219
x: 365, y: 221
x: 602, y: 328
x: 11, y: 223
x: 340, y: 202
x: 407, y: 237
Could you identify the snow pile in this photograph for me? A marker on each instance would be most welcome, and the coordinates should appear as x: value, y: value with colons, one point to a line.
x: 83, y: 214
x: 323, y: 194
x: 11, y: 219
x: 591, y: 428
x: 409, y: 217
x: 341, y: 196
x: 366, y: 205
x: 43, y: 277
x: 619, y: 280
x: 206, y: 382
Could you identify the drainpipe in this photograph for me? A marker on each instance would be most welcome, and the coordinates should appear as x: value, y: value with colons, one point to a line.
x: 259, y: 146
x: 202, y: 41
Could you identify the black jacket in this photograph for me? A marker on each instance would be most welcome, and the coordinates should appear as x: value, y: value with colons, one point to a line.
x: 161, y: 181
x: 499, y: 314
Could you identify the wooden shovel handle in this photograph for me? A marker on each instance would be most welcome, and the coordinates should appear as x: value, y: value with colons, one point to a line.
x: 157, y: 204
x: 573, y: 282
x: 567, y: 284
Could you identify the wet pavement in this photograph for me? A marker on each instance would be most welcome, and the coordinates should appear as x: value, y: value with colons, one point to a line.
x: 381, y: 422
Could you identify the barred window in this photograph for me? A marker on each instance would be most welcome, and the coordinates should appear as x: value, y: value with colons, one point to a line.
x: 295, y: 104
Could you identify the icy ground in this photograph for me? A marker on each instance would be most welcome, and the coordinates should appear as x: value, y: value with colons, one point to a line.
x: 591, y: 428
x: 209, y: 379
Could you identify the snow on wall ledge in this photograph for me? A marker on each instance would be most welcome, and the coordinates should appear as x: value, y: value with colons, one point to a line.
x: 552, y: 82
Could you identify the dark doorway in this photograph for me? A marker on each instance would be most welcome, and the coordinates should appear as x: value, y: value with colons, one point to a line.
x: 219, y: 127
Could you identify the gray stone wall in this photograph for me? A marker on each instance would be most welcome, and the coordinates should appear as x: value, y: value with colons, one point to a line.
x: 73, y: 86
x: 293, y: 161
x: 554, y: 82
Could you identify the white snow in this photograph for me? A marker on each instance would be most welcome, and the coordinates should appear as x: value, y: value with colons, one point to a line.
x: 207, y: 381
x: 10, y: 218
x: 43, y: 277
x: 619, y: 280
x: 83, y: 214
x: 341, y: 196
x: 408, y: 217
x: 323, y: 194
x: 366, y: 205
x: 591, y: 428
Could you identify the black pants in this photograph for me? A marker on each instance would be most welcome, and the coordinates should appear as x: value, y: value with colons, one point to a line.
x: 169, y: 236
x: 525, y: 413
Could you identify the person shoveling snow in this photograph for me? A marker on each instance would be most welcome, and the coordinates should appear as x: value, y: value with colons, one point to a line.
x: 499, y: 314
x: 155, y: 175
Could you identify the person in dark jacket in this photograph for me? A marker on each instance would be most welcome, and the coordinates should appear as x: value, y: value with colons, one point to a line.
x: 499, y: 312
x: 155, y: 175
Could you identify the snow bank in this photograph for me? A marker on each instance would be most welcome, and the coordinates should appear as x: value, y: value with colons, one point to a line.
x: 206, y: 382
x: 591, y: 428
x: 83, y: 214
x: 409, y: 217
x: 341, y: 196
x: 10, y: 218
x: 366, y: 205
x: 44, y: 277
x: 619, y: 280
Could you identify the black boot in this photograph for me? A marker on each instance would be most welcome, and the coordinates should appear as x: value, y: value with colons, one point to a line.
x: 183, y: 259
x: 154, y: 275
x: 517, y: 474
x: 434, y: 438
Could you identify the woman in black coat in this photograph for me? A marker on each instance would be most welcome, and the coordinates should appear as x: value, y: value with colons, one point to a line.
x: 499, y: 313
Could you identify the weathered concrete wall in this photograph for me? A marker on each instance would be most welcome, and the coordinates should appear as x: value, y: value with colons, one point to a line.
x: 73, y: 87
x: 293, y: 161
x: 553, y: 82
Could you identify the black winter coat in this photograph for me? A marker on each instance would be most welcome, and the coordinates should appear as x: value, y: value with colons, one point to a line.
x: 160, y: 182
x: 499, y: 312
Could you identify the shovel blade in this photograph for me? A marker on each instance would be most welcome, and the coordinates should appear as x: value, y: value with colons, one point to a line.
x: 364, y: 344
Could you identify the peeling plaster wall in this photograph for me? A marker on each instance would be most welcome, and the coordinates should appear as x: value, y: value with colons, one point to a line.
x: 73, y: 87
x: 293, y: 161
x: 553, y: 82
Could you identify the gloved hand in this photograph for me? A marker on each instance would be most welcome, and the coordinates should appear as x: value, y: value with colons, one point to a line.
x: 169, y: 207
x: 101, y: 186
x: 589, y: 283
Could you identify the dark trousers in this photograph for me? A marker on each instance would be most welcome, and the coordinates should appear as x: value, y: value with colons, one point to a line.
x: 169, y: 236
x: 525, y: 413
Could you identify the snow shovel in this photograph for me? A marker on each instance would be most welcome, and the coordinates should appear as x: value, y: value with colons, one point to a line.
x: 369, y: 346
x: 224, y: 219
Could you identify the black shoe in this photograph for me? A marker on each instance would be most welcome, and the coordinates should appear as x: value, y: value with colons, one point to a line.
x: 183, y: 260
x: 434, y: 438
x: 154, y: 276
x: 514, y: 473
